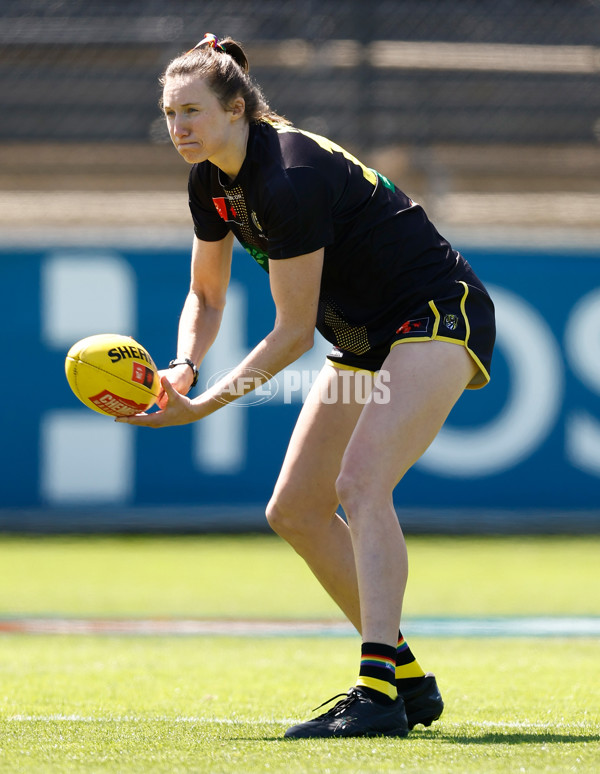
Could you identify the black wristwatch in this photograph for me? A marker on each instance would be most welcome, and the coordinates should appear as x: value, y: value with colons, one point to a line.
x: 190, y: 363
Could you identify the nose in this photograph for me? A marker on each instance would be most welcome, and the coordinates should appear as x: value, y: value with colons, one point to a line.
x: 179, y: 126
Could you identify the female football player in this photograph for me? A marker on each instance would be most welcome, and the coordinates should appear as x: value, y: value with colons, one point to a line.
x: 349, y: 253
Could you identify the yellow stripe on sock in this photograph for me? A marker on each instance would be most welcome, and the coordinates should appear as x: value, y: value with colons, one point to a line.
x: 378, y: 685
x: 409, y: 670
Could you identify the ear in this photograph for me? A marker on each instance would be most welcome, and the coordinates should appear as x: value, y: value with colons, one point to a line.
x: 238, y: 108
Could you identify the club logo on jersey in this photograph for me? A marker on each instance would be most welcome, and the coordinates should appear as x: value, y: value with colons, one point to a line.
x: 451, y: 321
x: 142, y: 375
x: 227, y: 210
x: 414, y: 326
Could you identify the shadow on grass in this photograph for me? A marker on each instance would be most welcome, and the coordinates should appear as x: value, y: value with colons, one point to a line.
x: 495, y: 737
x: 440, y: 736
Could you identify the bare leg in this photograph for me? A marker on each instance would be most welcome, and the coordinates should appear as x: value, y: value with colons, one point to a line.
x: 422, y: 381
x: 425, y: 380
x: 302, y: 509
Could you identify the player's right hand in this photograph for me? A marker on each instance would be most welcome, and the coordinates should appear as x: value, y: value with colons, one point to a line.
x: 178, y: 410
x: 180, y: 378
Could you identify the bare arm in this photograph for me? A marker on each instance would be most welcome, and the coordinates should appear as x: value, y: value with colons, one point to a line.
x: 295, y: 284
x: 203, y: 308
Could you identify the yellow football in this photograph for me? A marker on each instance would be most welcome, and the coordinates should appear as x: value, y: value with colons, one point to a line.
x: 112, y: 374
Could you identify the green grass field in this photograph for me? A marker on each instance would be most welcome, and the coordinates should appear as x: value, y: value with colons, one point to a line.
x: 71, y: 703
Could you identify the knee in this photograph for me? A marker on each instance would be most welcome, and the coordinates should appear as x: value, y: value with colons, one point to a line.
x: 349, y: 491
x: 281, y: 517
x: 296, y: 519
x: 361, y: 492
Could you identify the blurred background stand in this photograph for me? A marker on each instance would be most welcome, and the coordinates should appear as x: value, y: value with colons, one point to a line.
x: 487, y: 111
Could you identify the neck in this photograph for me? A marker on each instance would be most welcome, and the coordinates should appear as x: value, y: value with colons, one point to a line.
x: 235, y: 158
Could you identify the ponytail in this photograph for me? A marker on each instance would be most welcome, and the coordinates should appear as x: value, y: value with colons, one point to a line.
x: 236, y: 52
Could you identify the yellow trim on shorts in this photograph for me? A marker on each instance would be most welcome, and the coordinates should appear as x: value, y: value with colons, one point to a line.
x: 344, y: 367
x: 436, y: 324
x: 465, y: 343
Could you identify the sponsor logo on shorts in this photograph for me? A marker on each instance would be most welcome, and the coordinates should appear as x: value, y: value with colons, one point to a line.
x: 414, y: 326
x: 451, y: 321
x: 116, y: 405
x: 142, y: 375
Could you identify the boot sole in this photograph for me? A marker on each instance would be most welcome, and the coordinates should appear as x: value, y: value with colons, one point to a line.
x: 426, y: 721
x: 395, y: 732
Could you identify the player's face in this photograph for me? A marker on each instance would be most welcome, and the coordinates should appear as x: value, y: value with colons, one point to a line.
x: 200, y: 128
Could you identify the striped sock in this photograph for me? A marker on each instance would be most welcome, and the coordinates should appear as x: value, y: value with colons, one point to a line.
x: 377, y: 674
x: 408, y: 669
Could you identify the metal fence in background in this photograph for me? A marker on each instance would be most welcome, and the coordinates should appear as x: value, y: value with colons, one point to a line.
x: 369, y: 73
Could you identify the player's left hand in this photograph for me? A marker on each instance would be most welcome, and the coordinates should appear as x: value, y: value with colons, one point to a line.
x: 177, y: 410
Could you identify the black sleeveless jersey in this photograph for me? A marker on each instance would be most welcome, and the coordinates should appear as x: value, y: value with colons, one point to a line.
x: 298, y: 192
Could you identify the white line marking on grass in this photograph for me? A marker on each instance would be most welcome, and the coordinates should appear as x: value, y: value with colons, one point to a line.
x: 133, y: 719
x: 174, y: 626
x: 484, y: 725
x: 504, y: 626
x: 533, y: 726
x: 500, y: 626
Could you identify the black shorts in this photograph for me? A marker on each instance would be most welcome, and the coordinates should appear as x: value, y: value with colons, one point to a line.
x: 465, y: 316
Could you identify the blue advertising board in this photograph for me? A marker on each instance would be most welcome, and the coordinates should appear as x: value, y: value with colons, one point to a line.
x: 530, y: 440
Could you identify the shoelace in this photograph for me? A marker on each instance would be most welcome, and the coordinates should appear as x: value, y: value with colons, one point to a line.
x: 350, y: 697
